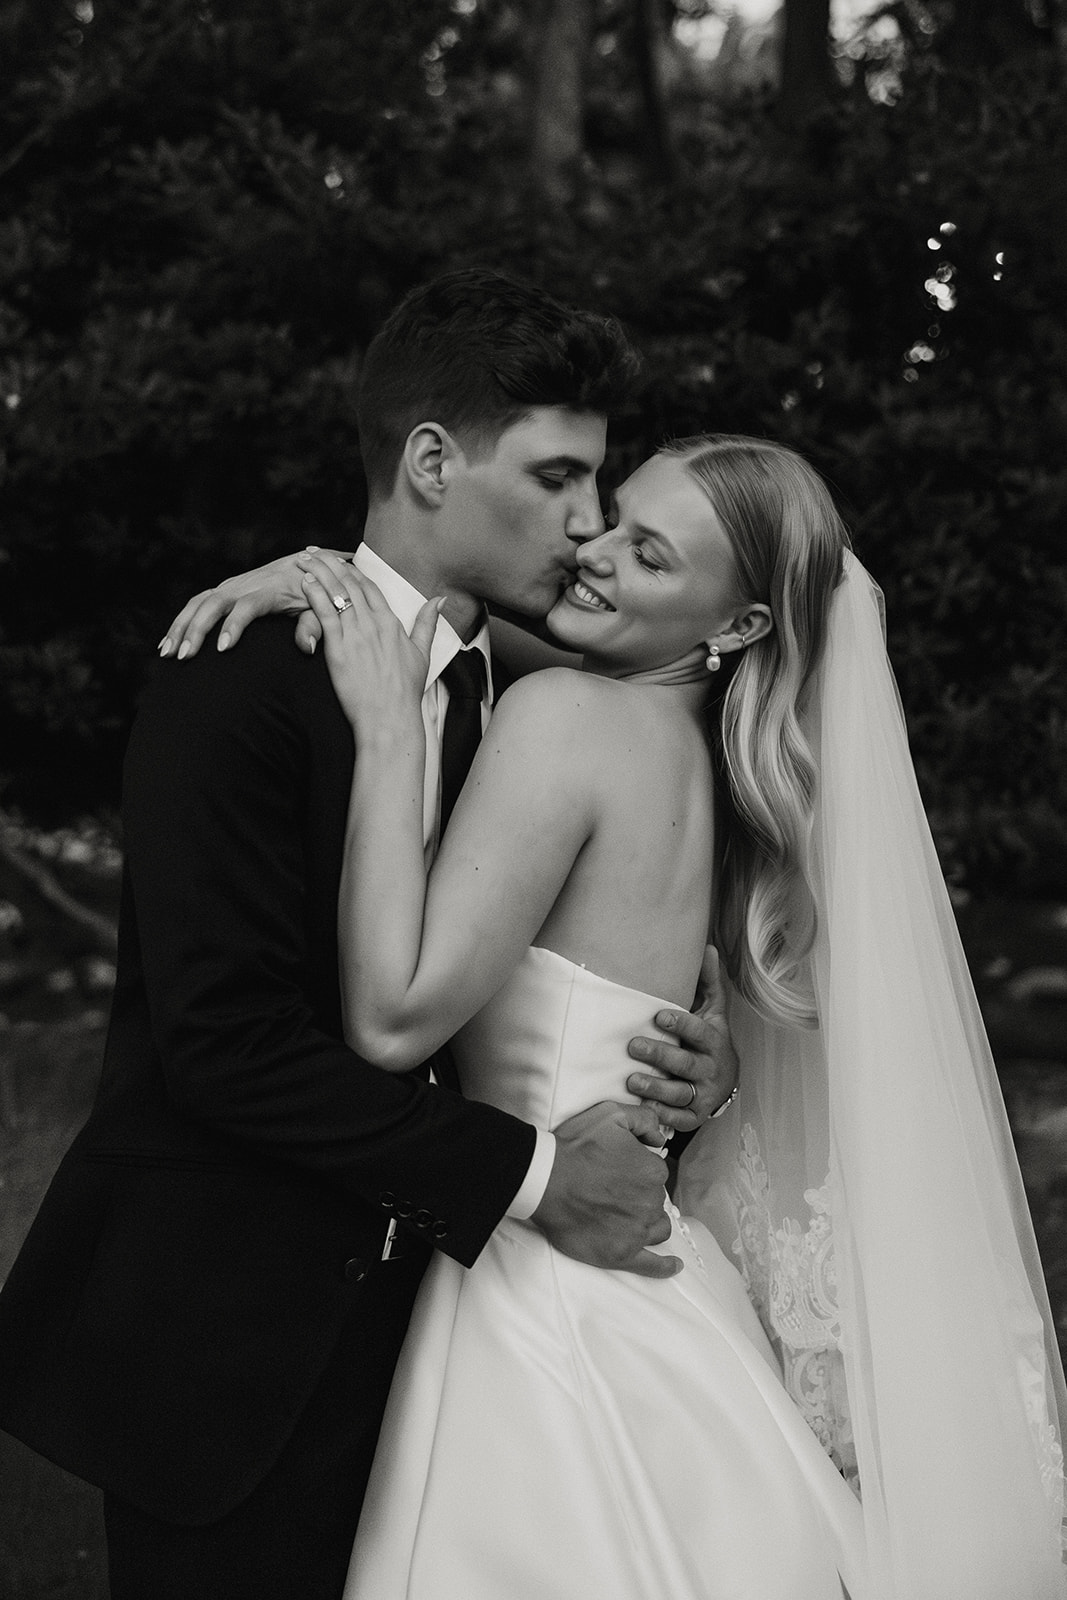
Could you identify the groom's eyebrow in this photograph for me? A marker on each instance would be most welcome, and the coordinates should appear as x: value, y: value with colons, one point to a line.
x: 562, y: 464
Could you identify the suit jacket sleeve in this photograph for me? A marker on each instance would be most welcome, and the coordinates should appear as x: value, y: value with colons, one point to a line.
x: 219, y: 837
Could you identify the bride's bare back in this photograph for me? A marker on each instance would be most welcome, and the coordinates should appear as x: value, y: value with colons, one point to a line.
x: 586, y: 825
x: 636, y: 903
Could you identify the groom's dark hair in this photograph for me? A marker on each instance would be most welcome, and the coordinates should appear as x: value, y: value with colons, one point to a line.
x: 475, y: 350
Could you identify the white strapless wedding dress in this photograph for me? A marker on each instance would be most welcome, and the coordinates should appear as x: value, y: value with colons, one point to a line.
x: 559, y: 1432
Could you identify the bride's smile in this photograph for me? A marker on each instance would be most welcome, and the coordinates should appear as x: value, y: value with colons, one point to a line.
x: 659, y: 583
x: 584, y: 594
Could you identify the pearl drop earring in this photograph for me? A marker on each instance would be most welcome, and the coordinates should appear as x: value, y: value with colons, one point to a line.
x: 713, y: 662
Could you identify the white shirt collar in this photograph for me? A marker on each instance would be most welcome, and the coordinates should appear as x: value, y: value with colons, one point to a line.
x: 405, y: 602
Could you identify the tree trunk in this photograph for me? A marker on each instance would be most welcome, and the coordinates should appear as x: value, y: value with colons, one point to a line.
x: 648, y: 26
x: 557, y: 143
x: 807, y: 77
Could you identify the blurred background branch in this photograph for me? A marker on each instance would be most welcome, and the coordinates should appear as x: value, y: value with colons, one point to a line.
x: 102, y: 930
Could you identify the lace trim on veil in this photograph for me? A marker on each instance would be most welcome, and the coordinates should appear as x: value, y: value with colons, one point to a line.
x: 790, y: 1274
x: 1032, y: 1381
x: 789, y: 1271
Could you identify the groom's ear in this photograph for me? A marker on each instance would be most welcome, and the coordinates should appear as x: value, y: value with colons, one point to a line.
x: 429, y: 461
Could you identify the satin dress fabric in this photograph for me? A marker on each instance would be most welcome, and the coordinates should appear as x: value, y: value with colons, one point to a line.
x: 556, y: 1431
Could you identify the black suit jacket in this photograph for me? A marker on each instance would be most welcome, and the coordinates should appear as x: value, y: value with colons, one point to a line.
x: 192, y: 1265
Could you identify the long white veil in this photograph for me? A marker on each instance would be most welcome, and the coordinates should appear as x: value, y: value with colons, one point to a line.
x: 867, y: 1182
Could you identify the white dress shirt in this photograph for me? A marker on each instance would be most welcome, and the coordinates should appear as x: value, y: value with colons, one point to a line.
x: 405, y: 602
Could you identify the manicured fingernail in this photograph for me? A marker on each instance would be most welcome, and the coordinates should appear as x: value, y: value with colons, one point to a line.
x: 311, y: 645
x: 165, y: 647
x: 665, y: 1020
x: 183, y: 650
x: 311, y: 549
x: 225, y: 641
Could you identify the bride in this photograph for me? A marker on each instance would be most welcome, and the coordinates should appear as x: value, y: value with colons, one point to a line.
x: 852, y: 1385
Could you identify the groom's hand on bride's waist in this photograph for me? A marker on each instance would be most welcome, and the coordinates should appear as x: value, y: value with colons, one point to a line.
x: 696, y: 1065
x: 604, y: 1199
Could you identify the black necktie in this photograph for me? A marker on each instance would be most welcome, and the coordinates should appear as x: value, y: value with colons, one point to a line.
x: 464, y: 678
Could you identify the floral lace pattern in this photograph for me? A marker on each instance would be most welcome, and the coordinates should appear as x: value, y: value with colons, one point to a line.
x: 1032, y: 1377
x: 790, y: 1274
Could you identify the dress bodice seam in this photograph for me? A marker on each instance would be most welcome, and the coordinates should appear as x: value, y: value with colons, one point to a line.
x: 561, y: 1042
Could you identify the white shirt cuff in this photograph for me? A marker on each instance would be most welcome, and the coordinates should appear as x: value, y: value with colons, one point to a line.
x: 533, y: 1186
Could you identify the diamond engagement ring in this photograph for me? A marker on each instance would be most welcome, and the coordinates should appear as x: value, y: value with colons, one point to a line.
x: 341, y: 603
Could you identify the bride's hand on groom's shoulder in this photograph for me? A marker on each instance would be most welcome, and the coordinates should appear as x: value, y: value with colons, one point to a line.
x: 378, y: 671
x: 275, y: 587
x: 698, y: 1060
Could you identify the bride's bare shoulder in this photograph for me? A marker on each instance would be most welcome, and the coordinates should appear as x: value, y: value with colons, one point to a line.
x: 577, y: 716
x: 560, y: 696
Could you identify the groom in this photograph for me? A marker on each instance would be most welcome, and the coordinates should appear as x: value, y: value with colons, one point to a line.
x: 206, y: 1314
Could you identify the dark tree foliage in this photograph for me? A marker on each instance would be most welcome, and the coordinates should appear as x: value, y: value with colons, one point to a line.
x: 201, y: 229
x: 209, y: 208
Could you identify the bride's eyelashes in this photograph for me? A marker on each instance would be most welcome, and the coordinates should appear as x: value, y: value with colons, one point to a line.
x: 639, y: 547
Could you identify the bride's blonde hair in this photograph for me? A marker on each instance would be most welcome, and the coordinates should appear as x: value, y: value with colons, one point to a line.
x: 788, y: 543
